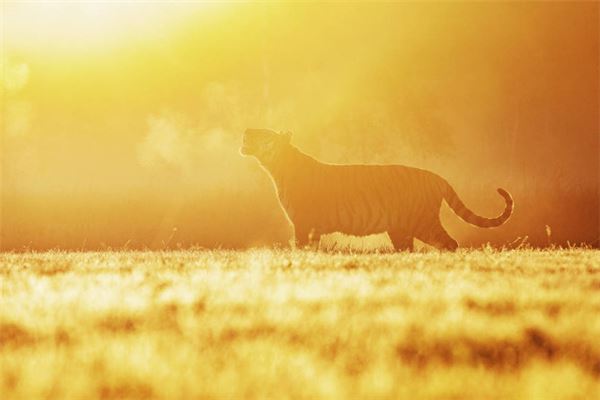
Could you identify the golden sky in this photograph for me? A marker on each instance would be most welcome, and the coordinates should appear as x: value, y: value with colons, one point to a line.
x: 121, y: 121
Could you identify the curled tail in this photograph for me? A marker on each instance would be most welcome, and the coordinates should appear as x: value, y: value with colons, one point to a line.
x: 469, y: 216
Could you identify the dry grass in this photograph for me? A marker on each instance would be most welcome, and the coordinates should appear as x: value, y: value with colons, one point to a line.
x: 278, y: 324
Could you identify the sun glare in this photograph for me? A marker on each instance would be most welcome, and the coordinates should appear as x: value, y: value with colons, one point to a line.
x: 87, y: 25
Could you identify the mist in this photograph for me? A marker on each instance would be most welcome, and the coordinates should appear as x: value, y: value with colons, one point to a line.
x: 136, y: 145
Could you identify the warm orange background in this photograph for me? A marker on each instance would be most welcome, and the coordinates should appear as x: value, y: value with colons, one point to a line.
x: 121, y: 122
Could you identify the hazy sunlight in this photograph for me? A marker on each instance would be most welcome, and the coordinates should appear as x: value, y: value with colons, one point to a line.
x: 77, y: 26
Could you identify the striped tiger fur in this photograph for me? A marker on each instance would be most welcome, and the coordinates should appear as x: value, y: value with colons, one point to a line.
x: 320, y: 198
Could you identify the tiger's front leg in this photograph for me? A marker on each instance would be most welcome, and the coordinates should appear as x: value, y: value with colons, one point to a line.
x: 306, y: 237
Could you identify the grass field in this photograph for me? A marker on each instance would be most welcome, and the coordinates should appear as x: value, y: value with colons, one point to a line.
x: 300, y: 324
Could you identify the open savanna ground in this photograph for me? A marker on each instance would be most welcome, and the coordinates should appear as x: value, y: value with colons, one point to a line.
x: 300, y: 324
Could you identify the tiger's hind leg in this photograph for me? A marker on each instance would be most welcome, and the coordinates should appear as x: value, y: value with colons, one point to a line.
x: 437, y: 236
x: 401, y: 241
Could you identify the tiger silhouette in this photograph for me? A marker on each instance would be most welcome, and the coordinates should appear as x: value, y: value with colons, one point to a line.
x: 320, y: 198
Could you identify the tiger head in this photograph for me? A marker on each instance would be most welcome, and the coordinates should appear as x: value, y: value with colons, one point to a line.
x: 264, y: 144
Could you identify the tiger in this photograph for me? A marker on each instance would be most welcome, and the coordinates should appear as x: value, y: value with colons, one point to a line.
x: 361, y: 199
